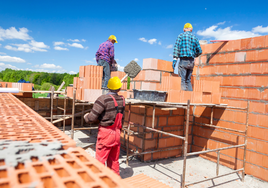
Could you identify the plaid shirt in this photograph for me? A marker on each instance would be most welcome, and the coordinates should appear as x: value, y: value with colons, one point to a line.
x: 187, y: 45
x: 106, y: 52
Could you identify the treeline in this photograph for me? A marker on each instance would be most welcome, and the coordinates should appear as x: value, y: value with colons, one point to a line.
x: 42, y: 80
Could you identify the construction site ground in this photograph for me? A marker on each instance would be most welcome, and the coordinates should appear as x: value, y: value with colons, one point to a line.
x: 169, y: 171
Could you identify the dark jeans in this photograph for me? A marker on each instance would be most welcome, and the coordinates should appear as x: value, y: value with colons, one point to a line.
x: 185, y: 71
x: 106, y: 72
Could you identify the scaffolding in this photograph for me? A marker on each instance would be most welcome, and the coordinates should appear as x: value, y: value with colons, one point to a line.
x: 184, y: 147
x: 162, y: 106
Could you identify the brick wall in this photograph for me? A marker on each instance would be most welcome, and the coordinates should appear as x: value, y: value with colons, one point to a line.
x: 241, y: 68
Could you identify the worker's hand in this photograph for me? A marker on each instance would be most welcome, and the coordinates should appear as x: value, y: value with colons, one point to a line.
x: 85, y: 117
x: 174, y: 64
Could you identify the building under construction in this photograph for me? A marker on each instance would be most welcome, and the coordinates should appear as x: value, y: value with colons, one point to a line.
x: 224, y: 120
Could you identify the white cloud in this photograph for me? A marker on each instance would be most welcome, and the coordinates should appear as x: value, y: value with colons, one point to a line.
x: 58, y: 43
x: 120, y: 68
x: 169, y: 46
x: 3, y: 66
x: 90, y: 62
x: 76, y: 45
x: 136, y: 59
x: 221, y: 23
x: 143, y: 39
x: 29, y: 63
x: 38, y: 46
x: 83, y: 40
x: 13, y: 33
x: 31, y: 47
x: 0, y: 44
x: 152, y: 41
x: 60, y: 48
x: 72, y: 72
x: 3, y: 53
x: 170, y: 55
x: 73, y: 40
x: 94, y: 58
x: 260, y: 29
x: 86, y: 48
x: 225, y: 34
x: 12, y: 59
x: 48, y: 66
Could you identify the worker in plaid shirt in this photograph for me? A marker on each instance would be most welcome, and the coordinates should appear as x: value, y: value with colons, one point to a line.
x: 186, y: 48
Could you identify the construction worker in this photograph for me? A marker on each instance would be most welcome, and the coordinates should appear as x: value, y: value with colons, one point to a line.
x: 186, y: 48
x: 105, y: 58
x: 109, y: 109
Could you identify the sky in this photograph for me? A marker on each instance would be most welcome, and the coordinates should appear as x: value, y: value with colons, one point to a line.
x: 59, y: 36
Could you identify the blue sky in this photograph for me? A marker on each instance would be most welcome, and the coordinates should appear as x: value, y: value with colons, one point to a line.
x: 59, y: 36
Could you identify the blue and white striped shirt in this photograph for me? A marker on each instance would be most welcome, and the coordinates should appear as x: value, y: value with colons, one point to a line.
x: 187, y: 45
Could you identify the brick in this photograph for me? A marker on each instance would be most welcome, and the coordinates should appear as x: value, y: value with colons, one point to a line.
x: 206, y: 98
x: 119, y: 74
x: 82, y: 71
x: 256, y: 68
x: 79, y: 94
x: 227, y: 81
x: 175, y: 82
x: 232, y: 45
x: 222, y: 69
x: 240, y: 56
x: 165, y: 65
x: 27, y: 86
x: 257, y: 107
x: 148, y: 86
x: 246, y: 43
x: 197, y: 97
x: 157, y: 64
x: 254, y: 94
x: 237, y: 81
x: 70, y: 91
x: 174, y: 96
x: 185, y: 96
x: 258, y: 42
x: 244, y: 68
x: 249, y: 80
x: 151, y: 75
x: 80, y: 83
x: 75, y: 82
x: 261, y: 81
x: 262, y: 55
x: 216, y: 98
x: 149, y: 63
x: 92, y: 94
x: 262, y: 120
x: 251, y: 56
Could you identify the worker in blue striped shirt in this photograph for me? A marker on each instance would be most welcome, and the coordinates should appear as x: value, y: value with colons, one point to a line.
x: 186, y: 48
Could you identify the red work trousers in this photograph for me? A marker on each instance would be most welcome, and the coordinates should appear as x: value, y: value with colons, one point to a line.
x: 108, y: 142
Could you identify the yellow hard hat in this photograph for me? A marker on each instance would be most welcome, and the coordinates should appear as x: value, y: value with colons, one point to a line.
x: 113, y: 38
x: 114, y: 83
x: 188, y: 25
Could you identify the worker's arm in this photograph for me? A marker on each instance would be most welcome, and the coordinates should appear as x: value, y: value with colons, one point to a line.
x: 198, y: 50
x: 176, y: 51
x: 111, y: 54
x: 96, y: 111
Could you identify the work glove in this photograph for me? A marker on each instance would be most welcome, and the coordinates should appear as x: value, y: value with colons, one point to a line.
x: 174, y: 64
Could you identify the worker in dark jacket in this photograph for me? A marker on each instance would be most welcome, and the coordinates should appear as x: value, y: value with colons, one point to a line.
x: 186, y: 48
x: 109, y: 109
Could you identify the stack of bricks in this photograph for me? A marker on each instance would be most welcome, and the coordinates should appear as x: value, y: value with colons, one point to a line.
x: 168, y: 121
x: 72, y: 168
x: 88, y: 84
x: 20, y: 86
x: 157, y: 75
x: 241, y: 67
